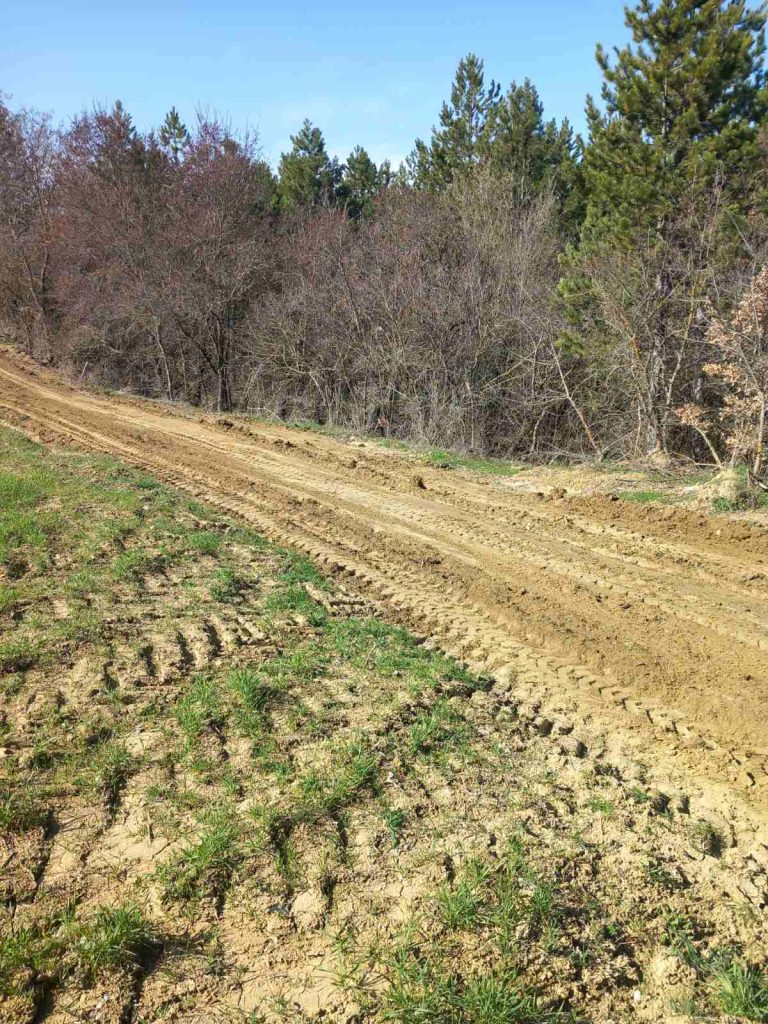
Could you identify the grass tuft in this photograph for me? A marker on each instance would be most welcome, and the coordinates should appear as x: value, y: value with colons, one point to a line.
x: 206, y: 866
x: 21, y: 809
x: 199, y: 708
x: 741, y: 992
x: 116, y: 937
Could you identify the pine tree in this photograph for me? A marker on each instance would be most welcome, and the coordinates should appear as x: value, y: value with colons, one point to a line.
x: 458, y: 144
x: 174, y: 136
x: 361, y: 183
x: 682, y: 105
x: 308, y: 176
x: 536, y: 153
x: 682, y: 108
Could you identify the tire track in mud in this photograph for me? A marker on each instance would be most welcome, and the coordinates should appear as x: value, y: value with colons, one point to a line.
x: 592, y: 623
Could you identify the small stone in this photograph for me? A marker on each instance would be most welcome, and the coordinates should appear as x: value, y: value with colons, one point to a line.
x: 573, y: 747
x: 682, y: 804
x: 543, y: 726
x: 308, y: 910
x: 659, y: 801
x: 507, y: 712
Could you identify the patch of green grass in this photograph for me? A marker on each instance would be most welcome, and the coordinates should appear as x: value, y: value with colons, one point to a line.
x: 442, y: 459
x: 199, y: 708
x: 21, y: 809
x: 27, y: 490
x: 639, y: 795
x: 255, y: 696
x: 541, y: 905
x: 52, y: 949
x: 394, y: 820
x: 661, y: 875
x: 26, y: 954
x: 459, y: 959
x: 757, y: 500
x: 73, y: 526
x: 25, y: 527
x: 295, y: 599
x: 644, y: 497
x: 422, y: 991
x: 204, y: 542
x: 249, y: 685
x: 312, y: 426
x: 439, y: 729
x: 461, y: 904
x: 10, y: 597
x: 18, y: 653
x: 706, y: 838
x: 116, y: 937
x: 108, y: 771
x: 300, y: 666
x: 298, y: 569
x: 83, y: 626
x: 730, y: 985
x: 325, y: 794
x: 135, y: 564
x: 499, y: 998
x: 226, y: 585
x: 291, y: 595
x: 741, y: 992
x: 205, y: 866
x: 317, y: 796
x: 372, y: 645
x: 601, y: 805
x: 724, y: 505
x: 22, y: 533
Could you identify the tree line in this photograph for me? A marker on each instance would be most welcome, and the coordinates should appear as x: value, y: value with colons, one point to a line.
x: 511, y: 288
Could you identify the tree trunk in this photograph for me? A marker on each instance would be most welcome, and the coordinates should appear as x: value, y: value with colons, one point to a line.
x: 223, y: 396
x: 164, y: 360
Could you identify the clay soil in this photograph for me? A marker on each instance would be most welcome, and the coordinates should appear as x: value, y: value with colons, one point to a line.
x: 609, y: 695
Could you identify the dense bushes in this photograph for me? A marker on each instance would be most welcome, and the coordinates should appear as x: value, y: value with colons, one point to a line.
x: 510, y: 290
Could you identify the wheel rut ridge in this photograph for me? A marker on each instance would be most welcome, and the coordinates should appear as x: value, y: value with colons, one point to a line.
x: 670, y: 604
x: 548, y: 683
x: 623, y: 589
x: 161, y: 467
x: 484, y: 648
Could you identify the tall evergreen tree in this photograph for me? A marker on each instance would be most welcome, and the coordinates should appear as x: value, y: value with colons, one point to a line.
x: 520, y: 143
x: 362, y: 181
x: 173, y: 134
x: 682, y: 106
x: 536, y: 153
x: 308, y: 176
x: 457, y: 145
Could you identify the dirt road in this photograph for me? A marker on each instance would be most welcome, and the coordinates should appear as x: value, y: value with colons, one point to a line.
x: 639, y: 632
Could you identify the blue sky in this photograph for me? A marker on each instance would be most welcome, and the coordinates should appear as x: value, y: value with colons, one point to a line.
x: 369, y: 74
